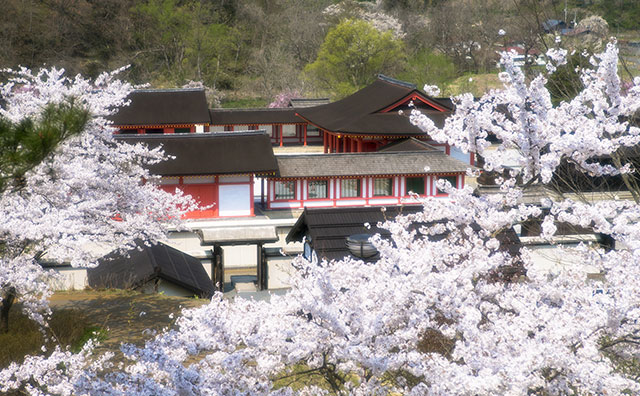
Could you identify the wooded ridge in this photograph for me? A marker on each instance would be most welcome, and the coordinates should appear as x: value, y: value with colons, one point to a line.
x: 243, y: 49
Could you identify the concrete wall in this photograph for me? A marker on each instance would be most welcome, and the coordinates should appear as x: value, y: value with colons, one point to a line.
x: 279, y: 270
x: 70, y: 278
x: 167, y: 288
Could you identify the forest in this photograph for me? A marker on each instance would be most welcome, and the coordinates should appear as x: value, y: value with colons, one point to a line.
x: 246, y: 52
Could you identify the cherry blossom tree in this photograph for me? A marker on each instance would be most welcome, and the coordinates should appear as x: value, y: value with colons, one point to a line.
x: 450, y: 308
x: 83, y: 196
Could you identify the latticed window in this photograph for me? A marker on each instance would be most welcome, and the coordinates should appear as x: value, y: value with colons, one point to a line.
x: 285, y: 189
x: 383, y: 187
x: 350, y: 188
x: 317, y: 189
x: 415, y: 185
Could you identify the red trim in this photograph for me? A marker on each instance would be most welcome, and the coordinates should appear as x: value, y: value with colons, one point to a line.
x: 412, y: 97
x: 251, y: 198
x: 155, y: 126
x: 304, y: 131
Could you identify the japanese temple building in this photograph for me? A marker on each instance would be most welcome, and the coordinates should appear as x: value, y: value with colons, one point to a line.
x: 362, y: 122
x: 163, y: 111
x: 216, y: 169
x: 373, y: 155
x: 386, y: 177
x: 374, y: 116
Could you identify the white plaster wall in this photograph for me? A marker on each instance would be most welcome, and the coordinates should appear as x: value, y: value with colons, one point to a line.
x: 279, y: 270
x: 167, y: 288
x: 70, y: 279
x: 234, y: 200
x: 240, y: 256
x: 189, y: 243
x: 550, y: 258
x: 350, y: 202
x: 383, y: 201
x: 288, y: 130
x: 171, y: 289
x: 313, y: 204
x: 266, y: 128
x: 207, y: 265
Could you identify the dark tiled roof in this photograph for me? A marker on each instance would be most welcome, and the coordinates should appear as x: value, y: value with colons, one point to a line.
x: 150, y: 263
x: 210, y: 153
x: 360, y: 112
x: 408, y: 144
x: 254, y: 116
x: 330, y: 227
x: 301, y: 103
x: 368, y: 164
x: 164, y: 107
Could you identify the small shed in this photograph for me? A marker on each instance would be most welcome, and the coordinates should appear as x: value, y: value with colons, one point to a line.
x: 156, y: 268
x: 326, y: 230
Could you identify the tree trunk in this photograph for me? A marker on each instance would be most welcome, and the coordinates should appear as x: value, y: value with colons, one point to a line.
x: 8, y: 298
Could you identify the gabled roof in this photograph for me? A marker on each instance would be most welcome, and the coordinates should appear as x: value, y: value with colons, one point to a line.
x: 164, y: 107
x: 210, y: 153
x: 368, y: 164
x: 330, y: 227
x: 150, y: 263
x: 374, y: 110
x: 276, y: 115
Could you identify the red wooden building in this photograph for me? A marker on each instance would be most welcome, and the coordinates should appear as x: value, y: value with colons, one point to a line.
x: 362, y: 179
x: 217, y: 169
x: 163, y: 111
x: 374, y: 116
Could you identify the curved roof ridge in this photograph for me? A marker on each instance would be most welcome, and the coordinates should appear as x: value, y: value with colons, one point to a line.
x: 396, y: 81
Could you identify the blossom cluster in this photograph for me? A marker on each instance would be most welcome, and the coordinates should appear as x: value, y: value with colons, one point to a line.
x: 86, y: 199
